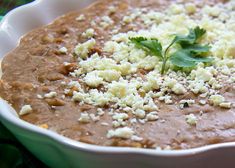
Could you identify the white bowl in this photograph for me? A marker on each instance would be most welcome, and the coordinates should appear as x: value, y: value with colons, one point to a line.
x: 58, y: 151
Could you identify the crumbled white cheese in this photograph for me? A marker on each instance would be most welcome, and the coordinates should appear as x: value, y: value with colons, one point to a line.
x: 179, y: 89
x: 26, y: 109
x: 130, y: 18
x: 139, y: 113
x: 84, y: 118
x: 39, y: 96
x: 104, y: 124
x: 106, y: 21
x: 111, y: 46
x: 133, y: 121
x: 152, y: 116
x: 76, y: 73
x: 82, y: 49
x: 191, y: 119
x: 77, y: 96
x: 136, y: 138
x: 120, y: 116
x: 216, y: 99
x: 127, y: 19
x: 214, y: 83
x: 98, y: 98
x: 167, y: 148
x: 63, y: 50
x: 190, y: 8
x: 89, y: 33
x: 127, y: 109
x: 202, y: 74
x: 142, y: 121
x: 110, y: 75
x: 112, y: 9
x: 166, y: 99
x: 152, y: 17
x: 225, y: 70
x: 188, y: 101
x: 151, y: 106
x: 92, y: 79
x: 231, y: 49
x: 212, y: 11
x: 72, y: 84
x: 118, y: 89
x: 176, y: 8
x: 116, y: 124
x: 202, y: 102
x: 124, y: 132
x: 81, y: 17
x: 198, y: 86
x: 100, y: 111
x: 227, y: 105
x: 169, y: 82
x: 94, y: 117
x: 50, y: 95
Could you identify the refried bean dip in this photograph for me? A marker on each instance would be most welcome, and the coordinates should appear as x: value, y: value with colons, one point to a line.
x: 82, y: 77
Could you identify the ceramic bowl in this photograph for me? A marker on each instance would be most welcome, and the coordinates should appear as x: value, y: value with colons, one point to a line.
x: 58, y: 151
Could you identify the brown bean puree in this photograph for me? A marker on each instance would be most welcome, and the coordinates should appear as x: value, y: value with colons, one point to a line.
x: 38, y: 71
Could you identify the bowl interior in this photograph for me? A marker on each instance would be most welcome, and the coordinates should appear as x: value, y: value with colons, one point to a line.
x: 28, y: 17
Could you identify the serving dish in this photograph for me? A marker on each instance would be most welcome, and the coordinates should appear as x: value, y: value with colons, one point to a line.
x: 58, y: 151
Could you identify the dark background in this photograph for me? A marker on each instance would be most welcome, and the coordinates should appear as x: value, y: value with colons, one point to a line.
x: 6, y: 5
x: 12, y: 153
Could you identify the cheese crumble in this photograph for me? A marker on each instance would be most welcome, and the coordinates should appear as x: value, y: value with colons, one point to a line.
x: 191, y: 119
x: 26, y: 109
x: 124, y: 132
x: 50, y: 95
x: 63, y: 50
x: 82, y: 49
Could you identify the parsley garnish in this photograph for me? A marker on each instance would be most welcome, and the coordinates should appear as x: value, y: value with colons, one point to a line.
x: 189, y: 53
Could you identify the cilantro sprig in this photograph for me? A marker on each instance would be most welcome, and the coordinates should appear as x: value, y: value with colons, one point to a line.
x: 189, y: 53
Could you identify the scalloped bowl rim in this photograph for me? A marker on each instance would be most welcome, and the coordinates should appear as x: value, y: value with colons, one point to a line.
x: 6, y: 113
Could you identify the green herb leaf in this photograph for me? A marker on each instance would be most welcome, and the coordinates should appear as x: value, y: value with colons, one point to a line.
x: 189, y: 55
x: 193, y: 37
x: 198, y: 49
x: 199, y: 33
x: 179, y: 59
x: 184, y: 58
x: 153, y: 46
x: 137, y: 41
